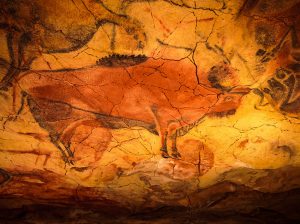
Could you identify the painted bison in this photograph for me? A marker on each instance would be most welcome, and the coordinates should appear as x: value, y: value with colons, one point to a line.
x: 162, y: 96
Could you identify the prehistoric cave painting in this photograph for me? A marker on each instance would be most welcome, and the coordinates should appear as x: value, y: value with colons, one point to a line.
x: 34, y: 27
x: 62, y: 120
x: 271, y: 24
x: 117, y: 60
x: 275, y: 30
x: 101, y: 89
x: 219, y: 74
x: 283, y: 91
x: 162, y: 96
x: 267, y: 7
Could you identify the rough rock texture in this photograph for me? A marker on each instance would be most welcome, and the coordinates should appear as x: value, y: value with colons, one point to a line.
x: 156, y: 111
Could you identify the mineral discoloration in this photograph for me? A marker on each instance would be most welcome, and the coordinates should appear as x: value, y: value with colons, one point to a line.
x: 4, y: 177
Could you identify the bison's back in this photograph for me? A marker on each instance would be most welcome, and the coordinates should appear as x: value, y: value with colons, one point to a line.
x: 131, y: 92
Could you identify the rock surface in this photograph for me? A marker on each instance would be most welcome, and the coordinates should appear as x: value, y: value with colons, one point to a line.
x: 156, y: 111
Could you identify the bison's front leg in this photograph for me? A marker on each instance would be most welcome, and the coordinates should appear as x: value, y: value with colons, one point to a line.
x: 173, y: 128
x: 175, y: 153
x: 164, y: 148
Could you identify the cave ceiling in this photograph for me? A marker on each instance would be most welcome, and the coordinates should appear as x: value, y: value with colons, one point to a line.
x: 176, y: 108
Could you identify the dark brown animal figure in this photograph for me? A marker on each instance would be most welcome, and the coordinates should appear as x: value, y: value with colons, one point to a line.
x: 283, y: 91
x: 282, y: 88
x: 276, y: 32
x: 41, y: 26
x: 162, y: 96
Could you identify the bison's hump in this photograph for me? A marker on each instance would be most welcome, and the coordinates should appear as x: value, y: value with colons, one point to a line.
x: 117, y: 60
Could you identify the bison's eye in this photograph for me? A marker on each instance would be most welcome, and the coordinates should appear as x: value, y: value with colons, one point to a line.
x: 228, y: 98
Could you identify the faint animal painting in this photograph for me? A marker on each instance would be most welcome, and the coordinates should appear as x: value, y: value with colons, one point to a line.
x: 33, y: 27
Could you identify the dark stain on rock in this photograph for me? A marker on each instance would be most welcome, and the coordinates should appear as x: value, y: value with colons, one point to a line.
x: 4, y: 176
x: 247, y: 7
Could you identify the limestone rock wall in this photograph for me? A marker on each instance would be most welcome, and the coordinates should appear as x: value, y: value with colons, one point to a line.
x: 155, y: 110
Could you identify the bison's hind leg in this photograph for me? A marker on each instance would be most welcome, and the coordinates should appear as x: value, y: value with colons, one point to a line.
x: 70, y: 135
x: 64, y: 149
x: 169, y: 135
x: 174, y: 130
x: 161, y: 128
x: 46, y: 114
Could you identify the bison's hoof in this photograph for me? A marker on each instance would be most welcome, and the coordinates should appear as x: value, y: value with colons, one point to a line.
x: 164, y: 153
x: 176, y: 155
